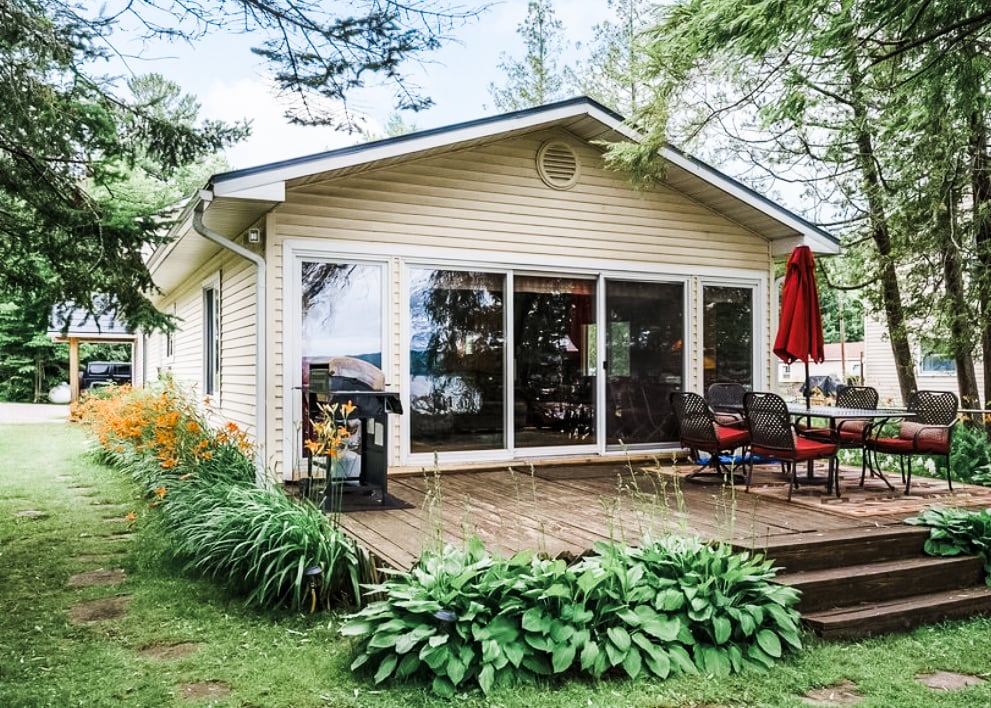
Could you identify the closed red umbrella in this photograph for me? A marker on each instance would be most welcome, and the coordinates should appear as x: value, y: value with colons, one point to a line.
x: 800, y: 328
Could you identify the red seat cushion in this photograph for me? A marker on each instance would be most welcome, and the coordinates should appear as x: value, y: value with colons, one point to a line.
x: 893, y: 446
x: 805, y: 449
x: 916, y: 438
x: 732, y: 420
x: 731, y: 437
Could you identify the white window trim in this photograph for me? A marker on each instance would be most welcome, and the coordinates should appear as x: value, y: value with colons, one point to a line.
x: 212, y: 283
x: 293, y: 257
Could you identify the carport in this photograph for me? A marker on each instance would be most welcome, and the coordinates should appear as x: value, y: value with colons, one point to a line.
x: 73, y: 325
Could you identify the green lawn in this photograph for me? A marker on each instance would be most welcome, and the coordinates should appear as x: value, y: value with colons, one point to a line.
x: 282, y: 659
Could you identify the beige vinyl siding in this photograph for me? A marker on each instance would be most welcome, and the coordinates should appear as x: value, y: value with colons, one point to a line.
x: 880, y: 371
x: 494, y: 196
x: 236, y: 387
x: 275, y: 332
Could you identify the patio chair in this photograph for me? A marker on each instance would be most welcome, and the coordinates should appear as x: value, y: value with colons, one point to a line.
x: 848, y: 433
x: 726, y: 400
x: 773, y: 436
x: 699, y: 431
x: 928, y: 431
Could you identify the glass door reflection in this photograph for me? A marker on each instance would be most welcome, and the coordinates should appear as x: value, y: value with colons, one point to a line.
x: 555, y: 361
x: 456, y: 364
x: 644, y: 360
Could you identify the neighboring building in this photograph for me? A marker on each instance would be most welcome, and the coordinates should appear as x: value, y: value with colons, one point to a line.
x: 74, y: 325
x: 843, y: 362
x: 523, y: 300
x: 933, y: 372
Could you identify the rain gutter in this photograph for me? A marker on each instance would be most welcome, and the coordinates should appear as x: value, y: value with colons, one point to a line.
x: 261, y: 383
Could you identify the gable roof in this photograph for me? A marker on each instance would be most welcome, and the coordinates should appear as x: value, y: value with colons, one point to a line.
x: 239, y: 198
x: 584, y: 118
x: 97, y: 323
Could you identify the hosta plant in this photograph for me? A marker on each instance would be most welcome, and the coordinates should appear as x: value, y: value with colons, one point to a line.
x: 464, y: 617
x: 955, y: 532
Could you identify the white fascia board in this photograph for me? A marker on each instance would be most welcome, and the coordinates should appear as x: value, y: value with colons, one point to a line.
x: 270, y: 191
x: 281, y: 173
x: 810, y: 235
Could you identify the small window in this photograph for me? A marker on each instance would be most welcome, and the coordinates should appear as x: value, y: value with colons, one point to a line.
x: 211, y: 340
x: 935, y: 358
x: 936, y: 363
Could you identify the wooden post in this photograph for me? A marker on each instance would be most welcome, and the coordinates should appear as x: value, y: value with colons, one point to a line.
x: 74, y: 368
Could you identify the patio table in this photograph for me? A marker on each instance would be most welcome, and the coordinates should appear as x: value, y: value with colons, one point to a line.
x: 878, y: 417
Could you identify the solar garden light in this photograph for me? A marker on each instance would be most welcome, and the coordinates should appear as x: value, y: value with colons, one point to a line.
x: 313, y: 580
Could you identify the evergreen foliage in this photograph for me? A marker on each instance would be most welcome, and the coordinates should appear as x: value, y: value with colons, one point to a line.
x: 70, y: 140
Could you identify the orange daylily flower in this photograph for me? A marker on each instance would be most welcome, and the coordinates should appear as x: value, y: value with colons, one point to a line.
x: 161, y: 492
x: 131, y: 517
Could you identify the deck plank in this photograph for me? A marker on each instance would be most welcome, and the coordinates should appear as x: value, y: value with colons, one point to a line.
x: 561, y: 510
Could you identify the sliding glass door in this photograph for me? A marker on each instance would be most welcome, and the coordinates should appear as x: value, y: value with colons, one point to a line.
x: 727, y: 335
x: 456, y: 360
x: 644, y: 361
x: 554, y: 361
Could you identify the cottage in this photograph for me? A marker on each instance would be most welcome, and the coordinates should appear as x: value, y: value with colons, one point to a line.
x: 521, y: 299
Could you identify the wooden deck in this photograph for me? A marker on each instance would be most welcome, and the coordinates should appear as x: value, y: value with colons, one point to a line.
x: 565, y: 509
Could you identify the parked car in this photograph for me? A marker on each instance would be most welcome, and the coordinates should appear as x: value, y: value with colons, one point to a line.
x: 104, y: 373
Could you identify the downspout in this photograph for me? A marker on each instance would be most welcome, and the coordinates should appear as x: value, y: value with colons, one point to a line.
x: 261, y: 380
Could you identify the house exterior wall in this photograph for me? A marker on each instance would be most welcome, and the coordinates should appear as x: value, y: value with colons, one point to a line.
x: 488, y: 206
x: 235, y: 397
x: 880, y: 371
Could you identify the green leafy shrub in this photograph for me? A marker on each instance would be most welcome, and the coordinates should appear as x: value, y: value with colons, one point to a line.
x: 970, y: 455
x: 678, y: 605
x: 260, y: 540
x: 955, y: 532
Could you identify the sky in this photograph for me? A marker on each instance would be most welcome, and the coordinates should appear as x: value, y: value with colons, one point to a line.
x: 231, y: 83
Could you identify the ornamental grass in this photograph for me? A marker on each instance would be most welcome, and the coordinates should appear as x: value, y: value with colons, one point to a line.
x: 199, y: 479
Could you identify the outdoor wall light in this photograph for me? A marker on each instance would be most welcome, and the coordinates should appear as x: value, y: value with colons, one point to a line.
x: 313, y: 581
x: 254, y: 235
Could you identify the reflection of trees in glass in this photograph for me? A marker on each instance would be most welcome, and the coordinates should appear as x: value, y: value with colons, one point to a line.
x: 318, y: 277
x: 465, y: 311
x: 342, y: 310
x: 543, y: 325
x: 728, y: 335
x: 456, y: 359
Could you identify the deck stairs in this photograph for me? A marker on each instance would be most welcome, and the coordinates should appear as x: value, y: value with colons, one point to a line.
x: 858, y: 582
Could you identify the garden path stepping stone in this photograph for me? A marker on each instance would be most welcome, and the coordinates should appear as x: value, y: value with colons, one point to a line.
x: 98, y: 557
x: 98, y: 610
x: 169, y: 652
x: 81, y: 490
x: 839, y: 694
x: 31, y: 514
x: 205, y: 690
x: 100, y: 576
x: 948, y: 680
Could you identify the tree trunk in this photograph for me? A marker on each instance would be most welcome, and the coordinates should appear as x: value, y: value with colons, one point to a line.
x: 959, y: 316
x: 890, y: 291
x: 981, y: 188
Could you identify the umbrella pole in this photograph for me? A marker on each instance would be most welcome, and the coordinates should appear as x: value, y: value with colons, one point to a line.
x: 810, y: 467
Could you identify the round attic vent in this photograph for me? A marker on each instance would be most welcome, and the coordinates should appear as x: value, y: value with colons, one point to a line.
x: 557, y: 165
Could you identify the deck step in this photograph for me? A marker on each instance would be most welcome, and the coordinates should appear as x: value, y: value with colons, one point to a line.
x: 879, y: 582
x: 830, y: 549
x: 899, y: 615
